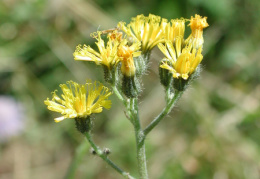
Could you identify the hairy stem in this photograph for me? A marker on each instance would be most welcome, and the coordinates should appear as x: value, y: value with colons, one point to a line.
x: 121, y: 97
x: 139, y: 136
x: 102, y: 155
x: 170, y: 104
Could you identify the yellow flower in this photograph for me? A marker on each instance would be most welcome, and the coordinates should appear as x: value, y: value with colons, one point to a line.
x: 184, y: 61
x: 107, y: 54
x: 79, y: 101
x: 174, y: 29
x: 126, y: 54
x: 197, y: 24
x: 147, y: 30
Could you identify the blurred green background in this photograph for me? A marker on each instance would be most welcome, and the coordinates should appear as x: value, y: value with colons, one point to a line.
x: 212, y: 133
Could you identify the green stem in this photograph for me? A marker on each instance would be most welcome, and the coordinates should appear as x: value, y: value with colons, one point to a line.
x: 102, y: 155
x: 168, y: 94
x: 140, y: 145
x: 165, y: 111
x: 131, y: 106
x: 115, y: 89
x: 119, y: 95
x: 80, y: 151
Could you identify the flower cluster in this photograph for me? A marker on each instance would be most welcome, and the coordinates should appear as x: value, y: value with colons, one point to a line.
x: 184, y: 55
x: 147, y: 32
x: 124, y: 55
x: 130, y: 53
x: 116, y: 50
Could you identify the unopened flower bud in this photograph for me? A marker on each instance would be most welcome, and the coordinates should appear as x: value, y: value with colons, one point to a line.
x: 130, y: 86
x: 128, y: 67
x: 165, y: 75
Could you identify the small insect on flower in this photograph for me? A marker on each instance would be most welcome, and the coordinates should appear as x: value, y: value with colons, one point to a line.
x: 106, y: 54
x: 79, y: 101
x: 106, y: 32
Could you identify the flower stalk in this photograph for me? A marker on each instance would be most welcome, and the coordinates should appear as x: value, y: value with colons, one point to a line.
x: 165, y: 111
x: 139, y: 136
x: 104, y: 156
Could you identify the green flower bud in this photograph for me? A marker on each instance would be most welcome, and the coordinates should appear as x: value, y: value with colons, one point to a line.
x: 165, y: 74
x: 130, y: 86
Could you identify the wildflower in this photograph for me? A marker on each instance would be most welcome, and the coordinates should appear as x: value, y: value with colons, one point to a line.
x: 147, y: 30
x: 197, y: 24
x: 184, y: 61
x: 126, y: 54
x: 79, y: 101
x: 174, y: 29
x: 106, y: 56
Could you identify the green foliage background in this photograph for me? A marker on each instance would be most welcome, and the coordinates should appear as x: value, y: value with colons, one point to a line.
x: 212, y: 133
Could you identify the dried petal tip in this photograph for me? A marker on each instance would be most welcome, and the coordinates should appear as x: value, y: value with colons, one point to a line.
x: 197, y: 24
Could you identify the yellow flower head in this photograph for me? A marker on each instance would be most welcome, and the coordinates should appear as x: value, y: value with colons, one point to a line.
x: 174, y: 29
x: 147, y: 30
x: 184, y: 61
x: 79, y: 101
x: 107, y: 54
x: 197, y: 24
x: 126, y: 54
